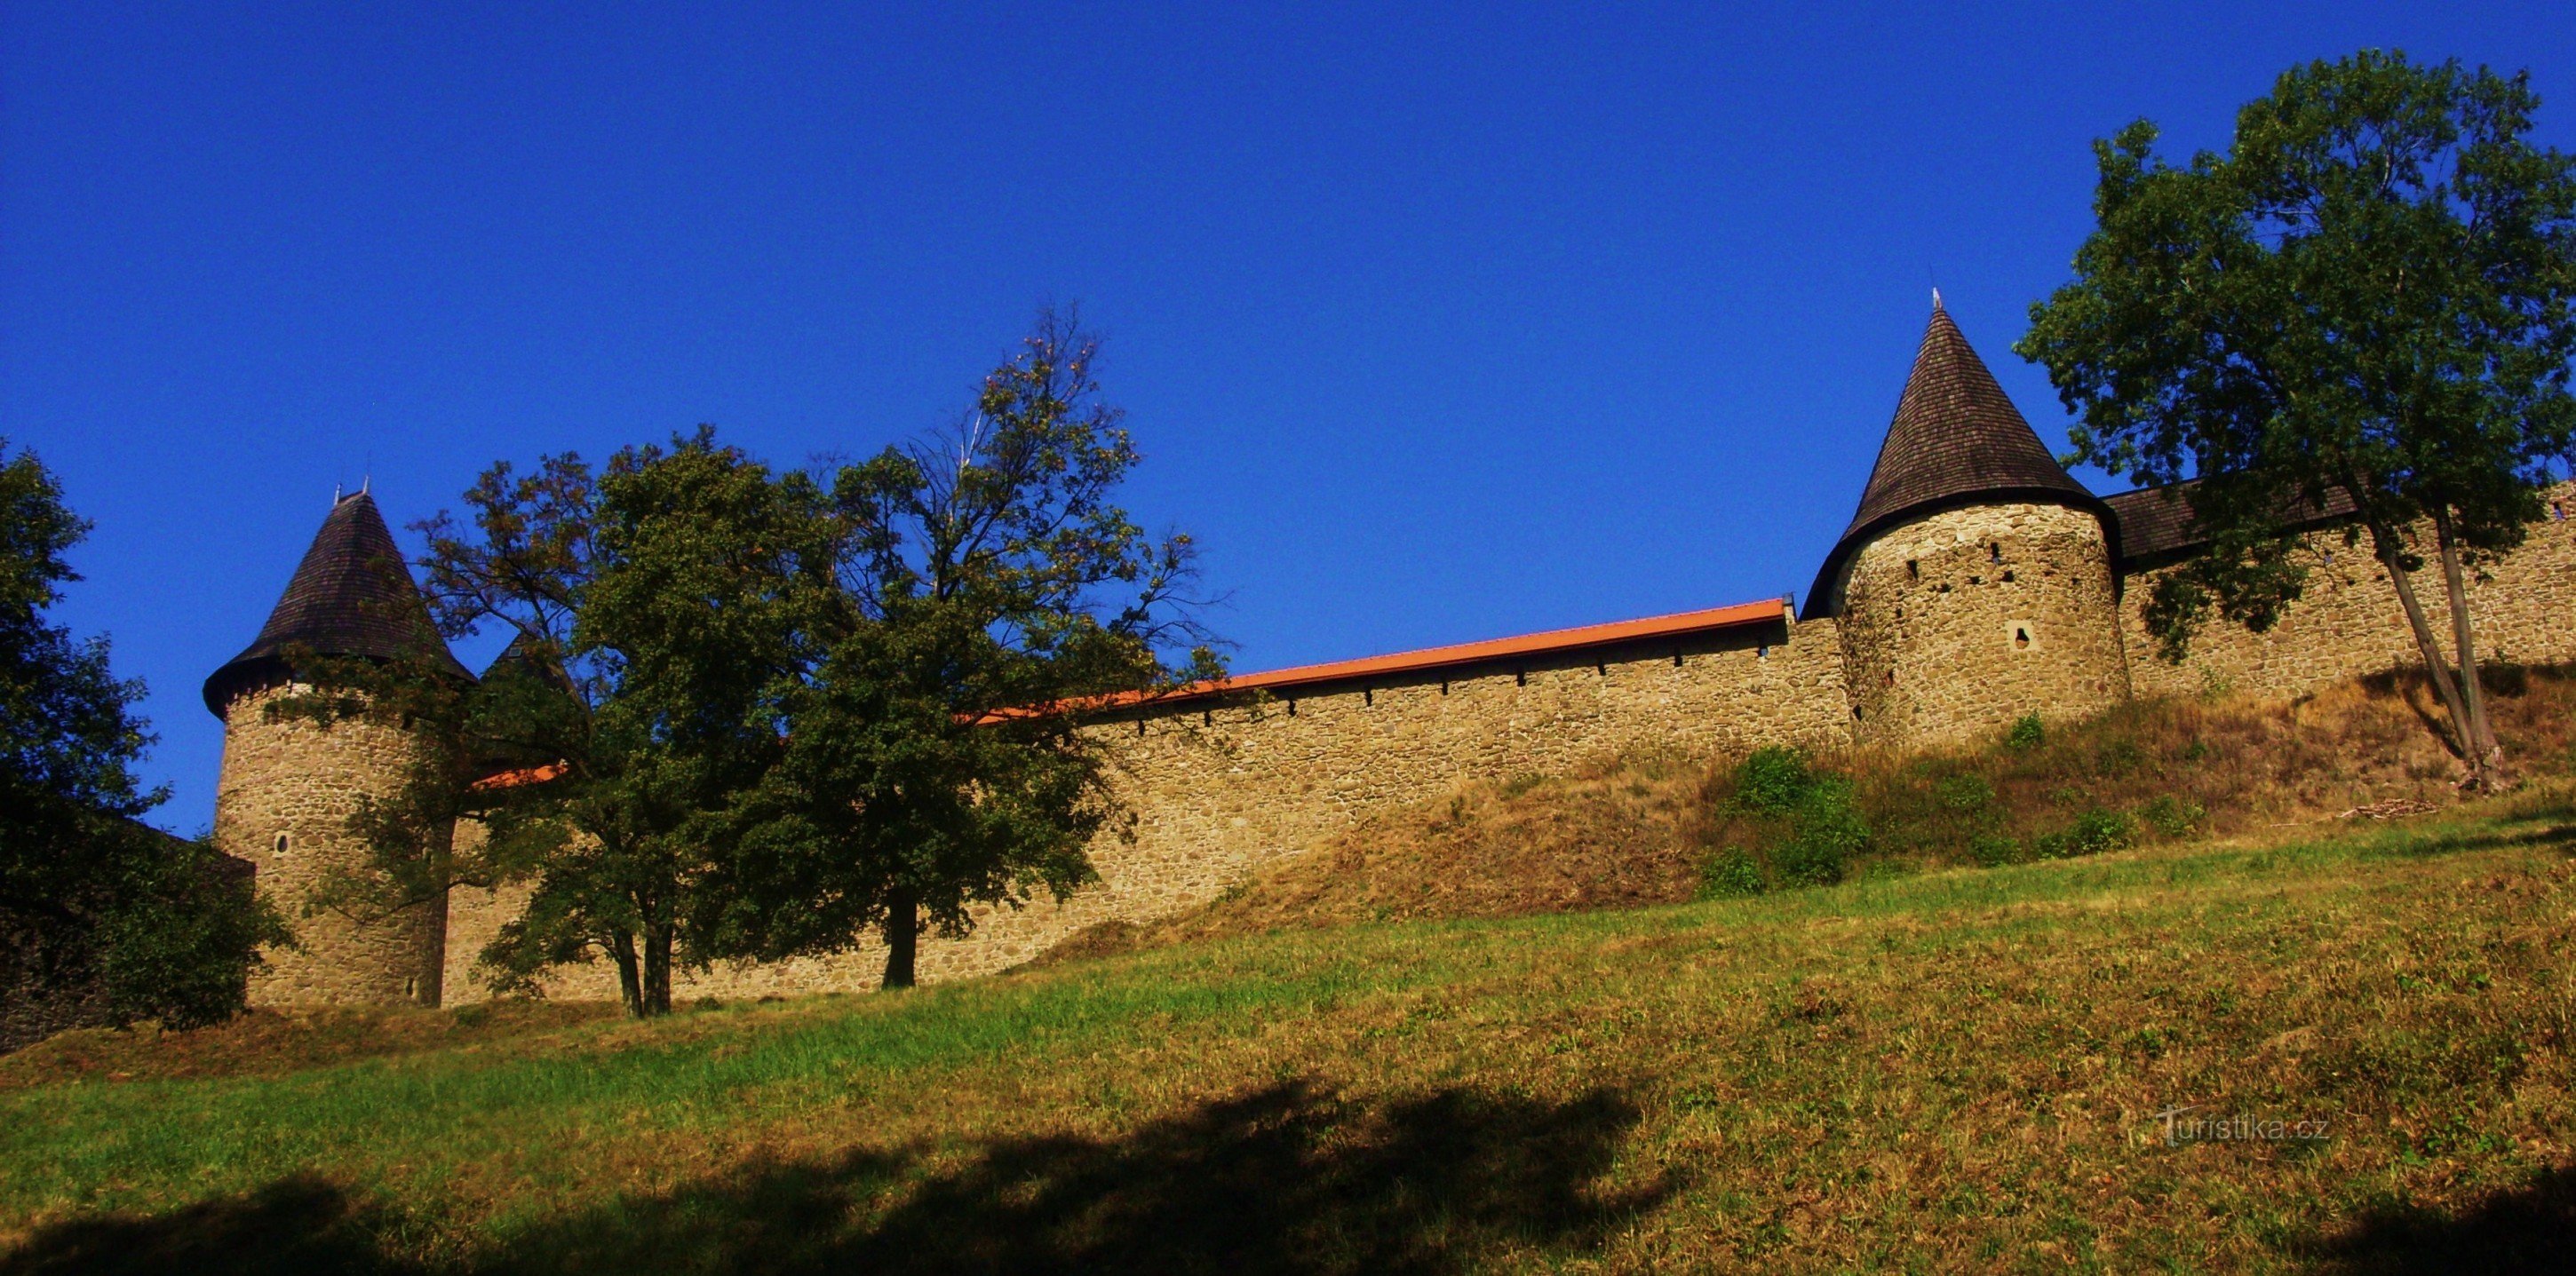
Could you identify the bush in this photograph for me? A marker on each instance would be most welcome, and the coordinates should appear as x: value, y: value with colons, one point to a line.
x: 1966, y: 794
x: 1774, y: 781
x: 1730, y: 874
x: 180, y: 939
x: 1828, y: 834
x: 2092, y: 833
x: 2027, y: 733
x: 1994, y: 850
x: 2172, y: 816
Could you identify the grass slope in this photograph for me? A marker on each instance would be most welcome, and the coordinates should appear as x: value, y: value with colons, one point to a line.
x: 1956, y: 1069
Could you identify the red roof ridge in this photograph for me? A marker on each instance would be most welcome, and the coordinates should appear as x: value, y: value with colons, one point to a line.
x: 1426, y: 659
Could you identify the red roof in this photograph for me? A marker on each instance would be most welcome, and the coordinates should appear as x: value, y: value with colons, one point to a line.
x: 1429, y: 659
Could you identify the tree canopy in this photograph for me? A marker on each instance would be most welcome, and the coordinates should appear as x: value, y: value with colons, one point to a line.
x: 2362, y: 311
x: 101, y: 918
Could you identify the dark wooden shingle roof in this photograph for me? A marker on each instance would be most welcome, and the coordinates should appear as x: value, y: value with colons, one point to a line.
x: 351, y: 596
x: 1956, y: 440
x: 2156, y: 523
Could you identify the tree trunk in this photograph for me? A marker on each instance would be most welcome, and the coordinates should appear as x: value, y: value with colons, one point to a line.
x: 657, y: 969
x: 630, y: 983
x: 2392, y: 556
x: 903, y: 937
x: 2487, y: 766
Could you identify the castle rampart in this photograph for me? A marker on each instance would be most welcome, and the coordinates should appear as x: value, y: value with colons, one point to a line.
x: 1977, y: 582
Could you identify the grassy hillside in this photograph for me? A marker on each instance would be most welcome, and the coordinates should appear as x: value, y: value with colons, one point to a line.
x: 1957, y: 1068
x: 1644, y: 829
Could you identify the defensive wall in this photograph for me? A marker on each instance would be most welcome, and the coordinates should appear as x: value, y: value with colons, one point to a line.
x: 1977, y: 582
x: 1224, y: 784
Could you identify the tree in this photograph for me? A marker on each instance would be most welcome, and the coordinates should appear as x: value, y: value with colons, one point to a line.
x: 101, y: 919
x: 651, y: 623
x: 986, y: 595
x: 2364, y: 308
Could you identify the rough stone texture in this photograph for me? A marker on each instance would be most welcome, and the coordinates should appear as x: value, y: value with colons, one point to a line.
x: 2348, y: 622
x: 1219, y: 791
x: 293, y: 779
x: 1962, y: 621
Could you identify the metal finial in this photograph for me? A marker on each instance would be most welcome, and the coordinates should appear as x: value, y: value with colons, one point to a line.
x: 1936, y: 297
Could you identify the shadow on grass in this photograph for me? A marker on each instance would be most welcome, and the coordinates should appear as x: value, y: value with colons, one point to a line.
x: 2530, y: 1230
x: 1285, y: 1180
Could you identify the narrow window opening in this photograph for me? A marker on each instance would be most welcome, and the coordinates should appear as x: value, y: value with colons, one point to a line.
x: 1677, y: 660
x: 1520, y: 677
x: 411, y: 986
x: 1891, y: 677
x: 1207, y: 717
x: 1976, y: 580
x: 1444, y: 686
x: 1368, y: 696
x: 281, y: 843
x: 1292, y: 708
x: 2008, y: 577
x: 1913, y: 570
x: 1995, y: 552
x: 2021, y: 638
x: 1762, y: 652
x: 1602, y: 668
x: 1855, y: 713
x: 1945, y: 589
x: 1140, y: 726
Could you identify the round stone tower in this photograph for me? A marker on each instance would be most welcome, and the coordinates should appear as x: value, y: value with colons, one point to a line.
x: 1976, y: 583
x: 288, y: 786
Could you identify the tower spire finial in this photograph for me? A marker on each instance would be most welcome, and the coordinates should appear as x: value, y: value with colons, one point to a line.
x: 1936, y: 296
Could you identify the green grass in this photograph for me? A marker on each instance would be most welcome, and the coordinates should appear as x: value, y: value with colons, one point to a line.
x: 1937, y: 1071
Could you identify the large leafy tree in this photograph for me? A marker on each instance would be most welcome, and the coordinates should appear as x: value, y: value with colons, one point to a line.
x: 2364, y: 308
x: 651, y: 614
x: 101, y: 919
x: 987, y: 593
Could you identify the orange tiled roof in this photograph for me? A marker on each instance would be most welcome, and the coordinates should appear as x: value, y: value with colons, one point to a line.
x: 1430, y: 659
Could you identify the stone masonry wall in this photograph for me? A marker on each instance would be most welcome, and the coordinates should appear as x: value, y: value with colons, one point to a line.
x: 1221, y: 791
x: 283, y: 802
x: 2347, y: 622
x: 1961, y: 621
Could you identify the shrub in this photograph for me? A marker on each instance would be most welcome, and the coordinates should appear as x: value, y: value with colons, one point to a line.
x: 2173, y: 817
x: 1828, y: 834
x: 1966, y: 794
x: 1993, y: 850
x: 2092, y: 833
x: 1730, y: 874
x: 1774, y: 781
x: 2026, y: 733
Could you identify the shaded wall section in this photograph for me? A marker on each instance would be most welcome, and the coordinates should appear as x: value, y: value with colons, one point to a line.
x: 1223, y: 786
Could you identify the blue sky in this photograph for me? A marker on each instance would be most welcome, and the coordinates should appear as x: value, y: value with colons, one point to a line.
x: 1435, y: 323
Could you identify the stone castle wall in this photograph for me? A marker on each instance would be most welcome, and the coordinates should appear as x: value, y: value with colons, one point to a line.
x: 1220, y: 792
x: 1961, y: 621
x: 2347, y: 621
x: 283, y: 802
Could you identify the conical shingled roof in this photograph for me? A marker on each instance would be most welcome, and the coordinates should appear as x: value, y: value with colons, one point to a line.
x: 351, y: 596
x: 1957, y: 440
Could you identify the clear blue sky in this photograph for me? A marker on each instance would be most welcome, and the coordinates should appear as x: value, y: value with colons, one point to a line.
x: 1435, y: 323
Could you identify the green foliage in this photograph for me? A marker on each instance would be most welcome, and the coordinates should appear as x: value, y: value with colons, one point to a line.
x: 1828, y: 834
x: 1966, y: 793
x: 984, y: 591
x: 2370, y: 304
x: 2092, y: 833
x: 1731, y: 874
x: 1775, y: 780
x: 100, y: 918
x: 2026, y: 733
x: 180, y: 933
x: 2173, y: 817
x: 1993, y: 850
